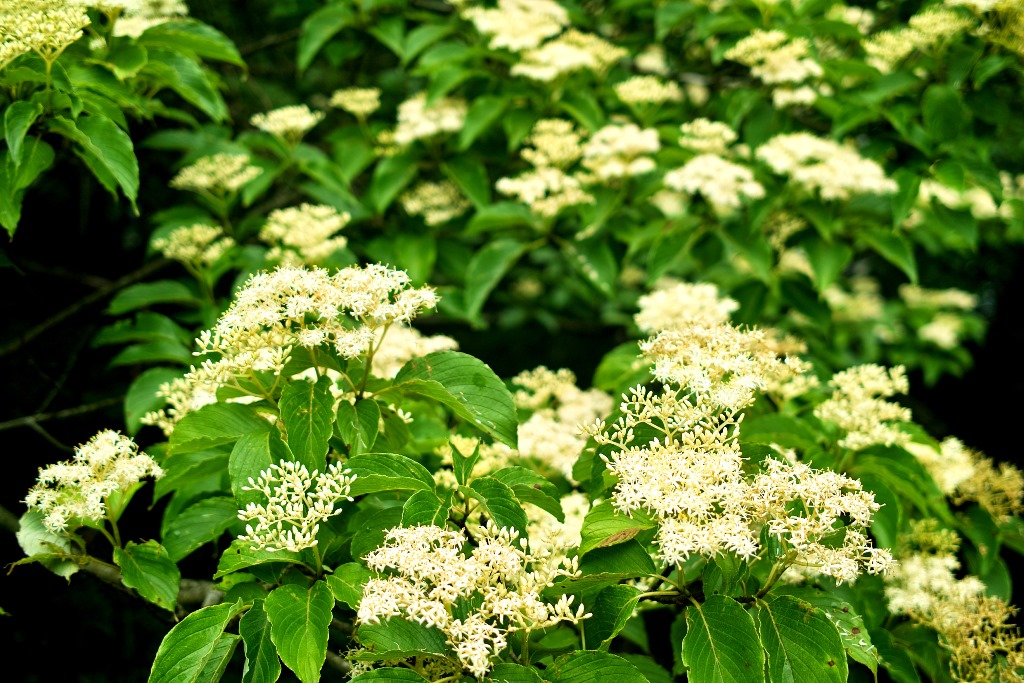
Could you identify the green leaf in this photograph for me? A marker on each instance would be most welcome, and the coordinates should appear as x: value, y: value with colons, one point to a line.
x: 482, y: 114
x: 214, y: 425
x: 147, y: 294
x: 219, y: 658
x: 319, y: 27
x: 530, y: 487
x: 391, y: 675
x: 894, y: 658
x: 391, y: 175
x: 624, y: 560
x: 507, y: 672
x: 721, y: 643
x: 148, y: 569
x: 347, y: 581
x: 195, y: 37
x: 254, y: 453
x: 426, y: 508
x: 397, y: 638
x: 943, y: 112
x: 852, y: 632
x: 192, y: 645
x: 189, y: 80
x: 468, y: 387
x: 500, y: 215
x: 828, y: 260
x: 358, y: 424
x: 262, y: 664
x: 390, y: 31
x: 593, y: 667
x: 35, y: 539
x: 604, y: 526
x: 127, y: 59
x: 485, y: 270
x: 612, y: 608
x: 422, y: 37
x: 299, y: 619
x: 14, y: 181
x: 141, y: 396
x: 18, y: 118
x: 463, y: 465
x: 241, y: 555
x: 499, y: 503
x: 471, y: 177
x: 801, y: 643
x: 584, y: 107
x: 893, y: 248
x: 388, y: 472
x: 307, y: 411
x: 105, y: 148
x: 198, y: 524
x: 597, y: 263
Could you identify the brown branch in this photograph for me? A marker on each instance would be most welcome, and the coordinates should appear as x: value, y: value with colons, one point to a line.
x: 34, y: 420
x: 269, y: 41
x: 338, y: 663
x: 100, y: 294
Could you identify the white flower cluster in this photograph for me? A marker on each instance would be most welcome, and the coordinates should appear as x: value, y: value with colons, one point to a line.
x: 417, y: 120
x: 75, y: 491
x: 706, y: 137
x: 429, y: 578
x: 547, y: 190
x: 859, y: 407
x: 558, y: 407
x: 297, y: 502
x: 863, y: 19
x: 947, y: 307
x: 724, y: 184
x: 400, y: 343
x: 518, y: 25
x: 956, y: 299
x: 924, y: 32
x: 862, y: 303
x: 677, y: 305
x: 834, y: 171
x: 569, y: 52
x: 360, y: 102
x: 620, y: 151
x: 977, y: 200
x: 138, y: 15
x: 648, y: 90
x: 287, y: 123
x: 652, y: 60
x: 438, y: 202
x: 219, y: 174
x: 303, y: 234
x: 197, y: 246
x: 553, y: 143
x: 780, y: 61
x: 45, y: 27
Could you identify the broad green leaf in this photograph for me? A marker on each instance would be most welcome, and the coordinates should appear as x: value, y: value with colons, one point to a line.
x: 426, y: 508
x: 390, y: 675
x: 612, y: 608
x: 192, y: 645
x: 141, y: 396
x: 147, y: 294
x: 104, y: 146
x: 241, y: 555
x: 828, y: 260
x: 388, y: 472
x: 800, y: 641
x: 852, y: 632
x: 397, y: 638
x: 943, y: 112
x: 198, y: 524
x: 620, y: 368
x: 299, y: 619
x: 596, y: 263
x: 895, y: 659
x: 262, y: 664
x: 499, y: 215
x: 219, y: 658
x: 530, y: 487
x: 584, y: 107
x: 471, y: 177
x: 189, y: 80
x: 347, y: 581
x: 148, y: 569
x: 893, y: 248
x: 307, y: 411
x: 390, y: 31
x: 422, y: 37
x: 358, y: 424
x: 721, y: 643
x: 214, y: 425
x: 35, y: 539
x: 126, y: 59
x: 603, y: 527
x: 507, y: 672
x: 190, y: 469
x: 18, y: 118
x: 254, y: 453
x: 485, y: 270
x: 468, y: 386
x: 319, y: 27
x: 391, y: 175
x: 463, y: 464
x: 623, y: 560
x: 499, y: 503
x: 593, y: 667
x: 482, y: 114
x: 37, y: 157
x: 189, y: 35
x: 885, y: 524
x: 156, y: 351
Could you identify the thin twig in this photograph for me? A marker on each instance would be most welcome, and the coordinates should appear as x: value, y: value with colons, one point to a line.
x: 98, y: 295
x: 269, y: 41
x: 34, y: 420
x: 338, y: 663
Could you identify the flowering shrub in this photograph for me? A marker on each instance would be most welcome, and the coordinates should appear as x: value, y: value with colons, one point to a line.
x: 760, y: 197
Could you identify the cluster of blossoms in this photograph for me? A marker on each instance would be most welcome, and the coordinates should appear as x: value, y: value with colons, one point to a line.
x: 494, y: 588
x: 859, y: 407
x: 551, y: 434
x: 571, y: 51
x: 287, y: 123
x: 518, y: 25
x: 303, y: 234
x: 947, y: 311
x: 196, y: 246
x: 863, y: 302
x: 218, y: 175
x: 863, y: 19
x: 975, y: 199
x: 417, y: 120
x: 620, y: 151
x: 297, y: 502
x: 133, y: 17
x: 977, y: 629
x: 706, y: 137
x: 723, y: 184
x: 966, y: 475
x: 925, y: 31
x: 644, y: 90
x: 553, y: 143
x: 780, y: 61
x: 438, y: 202
x: 834, y: 171
x: 75, y: 492
x: 676, y: 305
x: 45, y: 27
x: 360, y: 102
x: 293, y: 307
